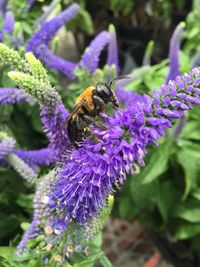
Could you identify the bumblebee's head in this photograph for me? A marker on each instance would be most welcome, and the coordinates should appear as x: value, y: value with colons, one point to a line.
x: 106, y: 93
x: 104, y: 90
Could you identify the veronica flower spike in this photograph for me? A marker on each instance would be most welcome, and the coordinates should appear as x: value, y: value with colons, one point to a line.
x: 112, y: 58
x: 7, y: 145
x: 44, y: 156
x: 174, y: 68
x: 92, y: 172
x: 3, y: 5
x: 12, y: 96
x: 90, y: 58
x: 38, y: 44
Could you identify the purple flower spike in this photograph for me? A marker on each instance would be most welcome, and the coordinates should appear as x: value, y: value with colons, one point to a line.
x: 9, y: 22
x: 55, y: 62
x: 173, y: 53
x: 127, y: 98
x: 90, y: 58
x: 113, y: 49
x: 43, y: 156
x: 3, y: 5
x: 12, y: 96
x: 47, y: 13
x: 53, y: 121
x: 40, y: 213
x: 6, y: 147
x: 92, y: 172
x: 48, y: 30
x: 38, y: 44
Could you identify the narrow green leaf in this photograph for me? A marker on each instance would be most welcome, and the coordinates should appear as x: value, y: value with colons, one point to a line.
x: 189, y: 158
x: 196, y: 194
x: 189, y: 214
x: 6, y: 252
x: 187, y: 230
x: 157, y: 165
x: 105, y: 261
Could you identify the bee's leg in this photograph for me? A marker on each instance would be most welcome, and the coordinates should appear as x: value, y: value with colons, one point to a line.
x: 88, y: 132
x: 91, y: 120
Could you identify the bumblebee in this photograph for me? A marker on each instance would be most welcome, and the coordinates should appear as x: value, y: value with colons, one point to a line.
x: 89, y: 105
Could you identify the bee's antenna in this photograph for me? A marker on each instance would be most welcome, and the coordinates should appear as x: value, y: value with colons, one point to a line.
x: 119, y: 78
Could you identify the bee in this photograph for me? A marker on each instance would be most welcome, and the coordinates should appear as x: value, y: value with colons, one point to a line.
x: 89, y: 105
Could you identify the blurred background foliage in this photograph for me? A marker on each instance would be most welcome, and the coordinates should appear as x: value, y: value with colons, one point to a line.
x: 165, y: 195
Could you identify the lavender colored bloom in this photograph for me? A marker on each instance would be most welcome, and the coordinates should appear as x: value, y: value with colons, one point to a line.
x: 48, y: 30
x: 6, y: 147
x: 44, y: 156
x: 90, y: 173
x: 113, y: 49
x: 12, y: 96
x: 3, y: 5
x: 90, y: 58
x: 127, y: 97
x: 40, y: 211
x: 53, y: 120
x: 173, y: 52
x: 9, y: 22
x: 55, y: 62
x: 38, y: 44
x: 47, y: 12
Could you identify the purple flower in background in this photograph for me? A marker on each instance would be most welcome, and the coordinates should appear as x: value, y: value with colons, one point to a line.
x: 44, y: 156
x: 47, y: 12
x: 92, y: 172
x: 38, y: 44
x: 12, y: 96
x: 90, y: 58
x: 173, y: 52
x: 8, y: 26
x: 6, y: 147
x: 56, y: 62
x: 48, y: 30
x: 41, y: 211
x: 113, y: 49
x: 3, y: 5
x: 128, y: 97
x: 9, y: 22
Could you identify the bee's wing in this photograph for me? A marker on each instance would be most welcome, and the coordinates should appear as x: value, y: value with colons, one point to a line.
x: 73, y: 112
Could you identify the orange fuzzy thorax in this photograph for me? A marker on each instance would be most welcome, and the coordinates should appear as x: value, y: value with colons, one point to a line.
x: 87, y: 96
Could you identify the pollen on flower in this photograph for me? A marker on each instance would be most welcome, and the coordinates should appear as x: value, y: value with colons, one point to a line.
x: 48, y: 230
x: 58, y: 258
x: 45, y: 199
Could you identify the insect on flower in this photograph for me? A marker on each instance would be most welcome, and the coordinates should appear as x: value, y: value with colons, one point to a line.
x: 89, y: 105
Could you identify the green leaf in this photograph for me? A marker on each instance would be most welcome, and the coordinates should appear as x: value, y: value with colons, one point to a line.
x: 127, y: 209
x: 189, y: 214
x: 38, y: 262
x: 167, y: 195
x: 90, y: 261
x: 196, y: 194
x: 187, y: 230
x: 105, y: 261
x: 25, y: 225
x: 6, y: 252
x: 191, y: 130
x: 158, y: 163
x: 189, y: 158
